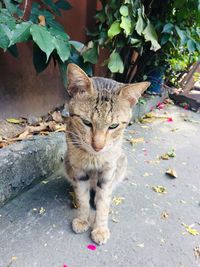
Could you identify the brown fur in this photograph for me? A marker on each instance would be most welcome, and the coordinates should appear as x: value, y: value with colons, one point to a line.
x: 94, y: 158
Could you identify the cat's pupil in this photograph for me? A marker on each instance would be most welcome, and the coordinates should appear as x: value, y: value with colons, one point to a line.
x: 87, y: 123
x: 113, y: 126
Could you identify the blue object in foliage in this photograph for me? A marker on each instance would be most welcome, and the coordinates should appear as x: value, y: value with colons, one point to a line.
x: 156, y: 78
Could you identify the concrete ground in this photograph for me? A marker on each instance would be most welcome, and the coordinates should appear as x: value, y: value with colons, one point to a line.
x: 148, y: 229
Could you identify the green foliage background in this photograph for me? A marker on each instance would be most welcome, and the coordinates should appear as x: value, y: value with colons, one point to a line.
x: 165, y: 33
x: 50, y: 41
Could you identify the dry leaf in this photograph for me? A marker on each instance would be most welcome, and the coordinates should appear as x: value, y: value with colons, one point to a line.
x: 13, y: 120
x: 145, y: 127
x: 45, y: 182
x: 146, y: 174
x: 61, y: 129
x: 115, y: 220
x: 197, y: 252
x: 170, y: 154
x: 26, y: 134
x: 156, y: 161
x: 140, y: 245
x: 149, y: 115
x: 42, y: 210
x: 147, y: 120
x: 74, y: 200
x: 172, y: 173
x: 36, y: 129
x: 42, y: 21
x: 174, y: 129
x: 164, y: 215
x: 136, y: 140
x: 118, y: 200
x: 164, y: 156
x: 183, y: 201
x: 159, y: 189
x: 190, y: 230
x: 57, y: 117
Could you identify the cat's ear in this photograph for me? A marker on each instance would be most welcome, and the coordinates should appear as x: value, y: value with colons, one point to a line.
x: 78, y: 81
x: 132, y: 92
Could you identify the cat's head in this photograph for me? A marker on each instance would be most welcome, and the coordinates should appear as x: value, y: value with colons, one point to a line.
x: 99, y: 109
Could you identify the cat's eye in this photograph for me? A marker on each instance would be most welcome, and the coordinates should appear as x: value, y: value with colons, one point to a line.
x: 87, y: 123
x: 113, y: 126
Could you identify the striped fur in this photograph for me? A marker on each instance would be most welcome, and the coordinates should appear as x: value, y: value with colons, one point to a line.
x: 95, y: 159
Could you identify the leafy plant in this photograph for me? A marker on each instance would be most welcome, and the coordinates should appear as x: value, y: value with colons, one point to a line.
x: 163, y: 33
x: 36, y: 22
x: 121, y: 25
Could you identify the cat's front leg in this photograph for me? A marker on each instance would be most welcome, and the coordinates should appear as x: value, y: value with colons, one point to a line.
x: 80, y: 223
x: 101, y: 233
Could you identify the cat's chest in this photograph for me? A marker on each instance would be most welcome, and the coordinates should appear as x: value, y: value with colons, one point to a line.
x: 88, y: 162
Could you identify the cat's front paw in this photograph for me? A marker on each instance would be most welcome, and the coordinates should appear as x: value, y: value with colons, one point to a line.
x: 100, y: 235
x: 79, y: 225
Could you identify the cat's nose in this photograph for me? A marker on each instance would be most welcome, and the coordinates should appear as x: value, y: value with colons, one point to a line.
x: 97, y: 148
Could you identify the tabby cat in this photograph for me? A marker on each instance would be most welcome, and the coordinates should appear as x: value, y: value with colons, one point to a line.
x: 99, y: 111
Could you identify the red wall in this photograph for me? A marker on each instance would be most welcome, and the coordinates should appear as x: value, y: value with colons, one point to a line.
x: 23, y: 92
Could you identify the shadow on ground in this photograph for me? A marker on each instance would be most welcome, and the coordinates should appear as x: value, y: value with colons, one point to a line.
x: 146, y: 228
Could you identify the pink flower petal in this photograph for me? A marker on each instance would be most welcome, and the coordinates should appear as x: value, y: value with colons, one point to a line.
x: 160, y: 105
x: 91, y: 247
x: 65, y: 265
x: 169, y: 119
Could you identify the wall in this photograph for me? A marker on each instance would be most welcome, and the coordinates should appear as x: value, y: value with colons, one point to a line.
x: 23, y: 92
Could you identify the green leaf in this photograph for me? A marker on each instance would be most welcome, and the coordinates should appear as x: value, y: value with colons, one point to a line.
x: 62, y: 4
x: 126, y: 25
x: 91, y: 55
x: 61, y: 42
x: 115, y: 63
x: 62, y: 48
x: 78, y: 59
x: 39, y: 59
x: 51, y: 4
x: 4, y: 40
x: 191, y: 45
x: 140, y: 23
x: 7, y: 19
x: 134, y: 41
x: 77, y: 45
x: 10, y: 6
x: 59, y: 34
x: 151, y: 35
x: 182, y: 34
x: 13, y: 50
x: 101, y: 16
x: 21, y: 33
x: 54, y: 24
x: 168, y: 28
x: 13, y: 120
x: 165, y: 38
x: 124, y: 10
x: 114, y: 29
x: 43, y: 39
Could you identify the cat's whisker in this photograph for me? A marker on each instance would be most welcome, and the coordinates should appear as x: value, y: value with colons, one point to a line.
x: 77, y: 136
